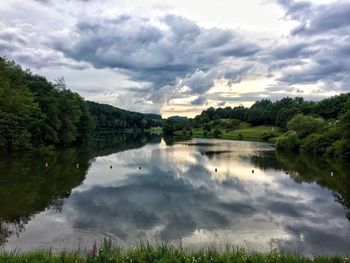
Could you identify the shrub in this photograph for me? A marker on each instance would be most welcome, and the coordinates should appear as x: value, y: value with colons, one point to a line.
x: 317, y: 143
x: 341, y: 148
x: 206, y: 127
x: 267, y: 136
x: 168, y: 128
x: 289, y: 141
x: 216, y: 133
x: 306, y: 125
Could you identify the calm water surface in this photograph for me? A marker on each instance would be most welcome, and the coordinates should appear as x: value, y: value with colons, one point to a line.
x: 256, y: 198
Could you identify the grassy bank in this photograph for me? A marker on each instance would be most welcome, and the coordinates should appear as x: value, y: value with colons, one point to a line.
x: 246, y: 133
x: 164, y: 253
x: 157, y: 130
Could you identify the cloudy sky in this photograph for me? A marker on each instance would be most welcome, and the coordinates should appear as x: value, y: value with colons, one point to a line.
x: 179, y: 57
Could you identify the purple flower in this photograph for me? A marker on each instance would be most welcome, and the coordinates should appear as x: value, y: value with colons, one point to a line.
x: 94, y: 249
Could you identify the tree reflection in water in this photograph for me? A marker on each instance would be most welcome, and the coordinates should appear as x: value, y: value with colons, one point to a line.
x: 176, y: 193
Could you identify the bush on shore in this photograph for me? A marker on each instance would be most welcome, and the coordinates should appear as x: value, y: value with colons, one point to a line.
x: 289, y: 141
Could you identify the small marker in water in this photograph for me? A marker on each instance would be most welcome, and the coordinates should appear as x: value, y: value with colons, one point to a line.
x: 216, y: 169
x: 77, y: 165
x: 139, y: 167
x: 252, y: 171
x: 46, y: 165
x: 110, y: 167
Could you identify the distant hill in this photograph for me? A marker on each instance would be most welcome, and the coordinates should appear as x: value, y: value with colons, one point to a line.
x: 178, y: 118
x: 109, y: 117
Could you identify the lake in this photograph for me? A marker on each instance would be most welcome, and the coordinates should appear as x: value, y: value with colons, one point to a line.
x: 197, y: 192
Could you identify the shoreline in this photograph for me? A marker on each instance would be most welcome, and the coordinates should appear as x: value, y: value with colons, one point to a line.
x: 144, y: 252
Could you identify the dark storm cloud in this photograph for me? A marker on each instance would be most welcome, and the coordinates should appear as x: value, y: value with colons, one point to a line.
x: 43, y: 1
x: 289, y: 209
x: 12, y: 37
x: 11, y: 40
x: 296, y: 10
x: 319, y: 19
x: 294, y: 50
x: 201, y: 100
x: 270, y: 94
x: 158, y: 55
x: 317, y: 49
x: 28, y: 47
x: 237, y: 75
x: 329, y: 64
x: 221, y: 103
x: 50, y: 1
x: 333, y: 238
x: 200, y: 81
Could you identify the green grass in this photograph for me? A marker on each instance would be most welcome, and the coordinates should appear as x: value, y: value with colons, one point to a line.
x: 246, y: 133
x: 155, y: 130
x: 107, y: 252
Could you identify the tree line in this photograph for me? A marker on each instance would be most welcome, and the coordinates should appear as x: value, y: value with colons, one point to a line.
x: 319, y: 128
x: 35, y: 113
x: 276, y: 113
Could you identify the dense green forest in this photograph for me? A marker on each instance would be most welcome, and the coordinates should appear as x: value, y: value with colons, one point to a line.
x: 35, y: 112
x: 277, y: 113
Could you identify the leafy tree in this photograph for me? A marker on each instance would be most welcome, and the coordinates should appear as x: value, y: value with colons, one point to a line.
x: 259, y: 113
x: 284, y: 115
x: 143, y: 123
x: 17, y: 110
x: 216, y: 133
x: 306, y: 125
x: 331, y: 107
x: 35, y: 112
x: 317, y: 144
x: 206, y: 127
x: 168, y: 128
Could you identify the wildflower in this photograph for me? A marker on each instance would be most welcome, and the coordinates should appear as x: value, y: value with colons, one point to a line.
x: 94, y: 249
